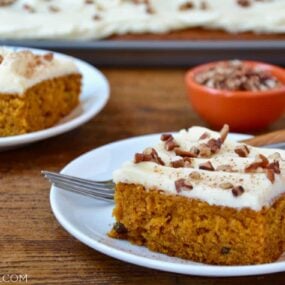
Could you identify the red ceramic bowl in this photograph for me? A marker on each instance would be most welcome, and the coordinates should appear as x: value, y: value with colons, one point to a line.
x: 242, y: 110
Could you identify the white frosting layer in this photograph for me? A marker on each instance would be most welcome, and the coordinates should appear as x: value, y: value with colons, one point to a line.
x: 71, y: 19
x: 20, y: 70
x: 259, y: 190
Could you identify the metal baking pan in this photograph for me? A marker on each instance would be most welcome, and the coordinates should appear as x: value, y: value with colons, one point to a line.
x: 141, y: 53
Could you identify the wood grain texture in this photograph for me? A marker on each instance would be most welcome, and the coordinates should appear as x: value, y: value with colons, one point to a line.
x: 31, y: 240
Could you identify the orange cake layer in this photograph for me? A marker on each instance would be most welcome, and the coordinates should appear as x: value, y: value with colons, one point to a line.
x: 192, y: 229
x: 40, y: 107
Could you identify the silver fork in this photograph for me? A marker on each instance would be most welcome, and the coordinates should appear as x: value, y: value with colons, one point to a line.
x: 102, y: 190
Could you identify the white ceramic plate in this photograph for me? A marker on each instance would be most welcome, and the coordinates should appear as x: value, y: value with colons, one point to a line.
x: 94, y: 96
x: 89, y: 220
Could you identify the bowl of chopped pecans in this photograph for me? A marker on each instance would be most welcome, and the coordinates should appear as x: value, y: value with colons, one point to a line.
x: 247, y: 95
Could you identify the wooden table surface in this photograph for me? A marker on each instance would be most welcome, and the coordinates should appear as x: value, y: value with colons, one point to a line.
x: 33, y: 243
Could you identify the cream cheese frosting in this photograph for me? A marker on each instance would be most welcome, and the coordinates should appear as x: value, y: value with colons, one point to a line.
x: 20, y: 70
x: 81, y: 19
x: 259, y: 190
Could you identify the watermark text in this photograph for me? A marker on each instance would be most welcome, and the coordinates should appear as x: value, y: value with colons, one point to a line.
x: 13, y: 278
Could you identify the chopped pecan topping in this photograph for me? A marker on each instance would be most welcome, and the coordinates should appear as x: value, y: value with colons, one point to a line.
x: 195, y: 175
x: 207, y: 166
x: 166, y: 137
x: 226, y: 185
x: 242, y: 151
x: 244, y: 3
x: 149, y: 154
x: 140, y: 157
x: 225, y: 168
x: 270, y: 175
x: 215, y: 145
x: 184, y: 162
x: 120, y: 228
x: 224, y: 132
x: 184, y: 153
x: 260, y: 162
x: 206, y: 135
x: 181, y: 184
x: 177, y: 163
x: 237, y: 191
x: 170, y: 143
x: 89, y: 2
x: 186, y: 6
x: 274, y: 166
x: 1, y: 59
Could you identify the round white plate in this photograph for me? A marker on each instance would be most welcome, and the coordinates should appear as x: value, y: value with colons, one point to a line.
x: 89, y: 220
x: 94, y: 96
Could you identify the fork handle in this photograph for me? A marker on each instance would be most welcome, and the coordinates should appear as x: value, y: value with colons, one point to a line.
x: 267, y: 139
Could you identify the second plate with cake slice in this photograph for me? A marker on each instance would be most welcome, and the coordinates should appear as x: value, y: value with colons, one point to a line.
x: 44, y: 94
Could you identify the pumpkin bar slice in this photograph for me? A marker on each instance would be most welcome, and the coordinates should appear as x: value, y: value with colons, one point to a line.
x: 36, y: 91
x: 198, y: 195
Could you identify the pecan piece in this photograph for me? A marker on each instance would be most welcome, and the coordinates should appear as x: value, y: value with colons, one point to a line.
x: 194, y: 152
x: 274, y: 166
x: 182, y: 184
x: 1, y: 59
x: 224, y: 132
x: 149, y: 154
x: 215, y: 145
x: 184, y: 162
x: 205, y: 135
x: 237, y: 191
x: 261, y: 161
x: 177, y: 163
x: 242, y: 151
x: 270, y: 175
x: 166, y: 137
x: 207, y: 166
x: 170, y: 143
x: 154, y: 156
